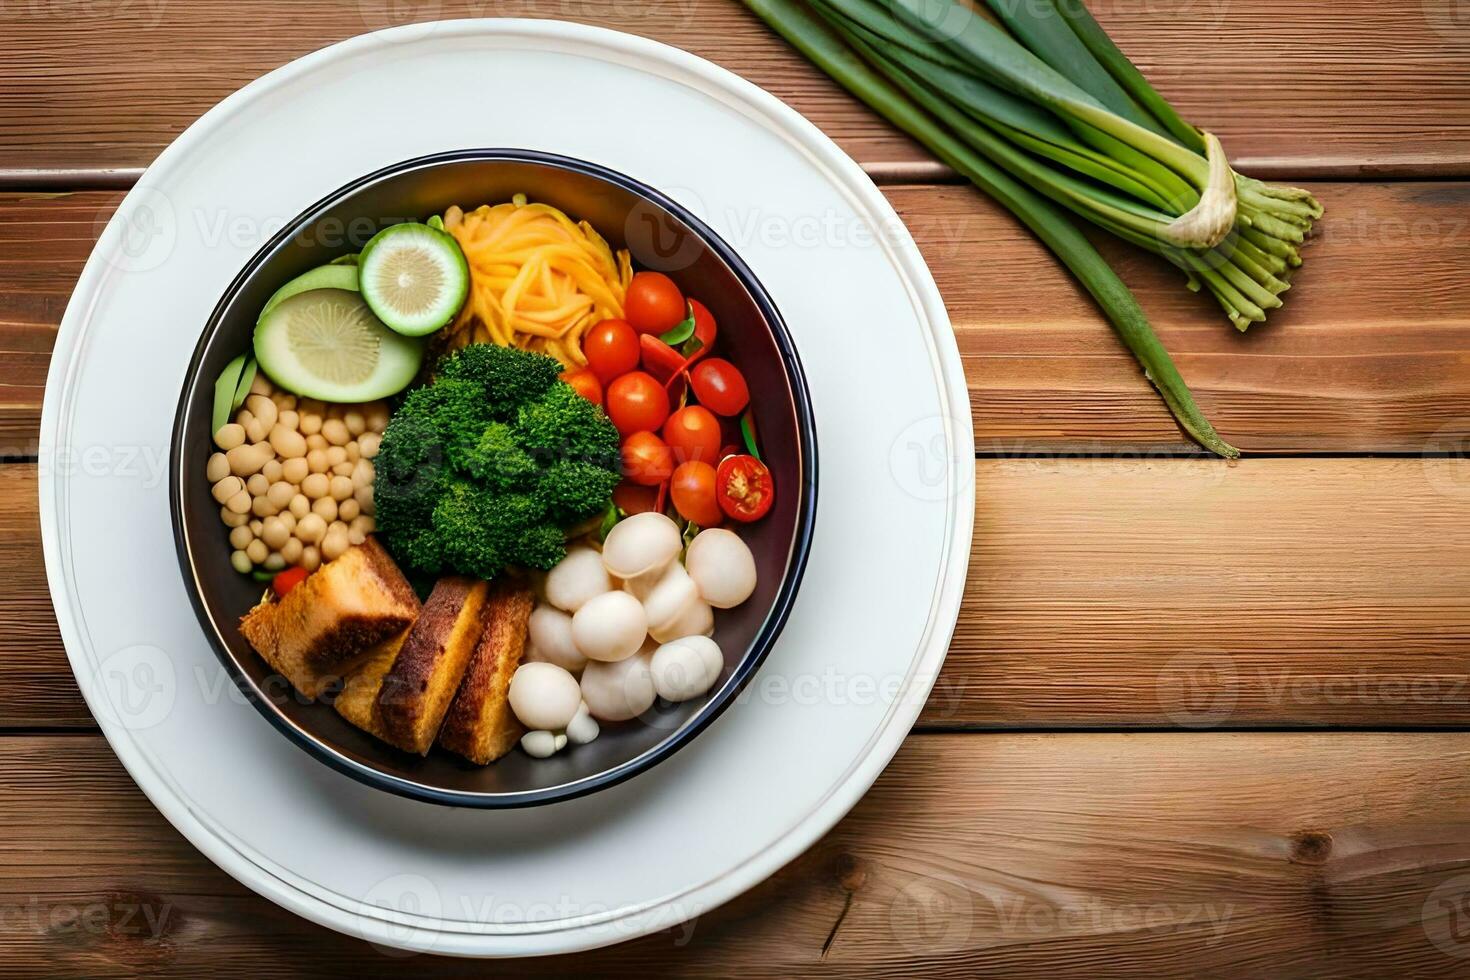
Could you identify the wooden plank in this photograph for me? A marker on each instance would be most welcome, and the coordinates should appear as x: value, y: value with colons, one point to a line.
x: 1369, y: 354
x: 1293, y: 856
x: 1373, y: 89
x: 1110, y: 593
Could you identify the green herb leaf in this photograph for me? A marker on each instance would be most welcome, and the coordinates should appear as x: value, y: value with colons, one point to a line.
x: 247, y: 378
x: 682, y: 331
x: 747, y: 432
x: 609, y: 518
x: 261, y: 575
x: 694, y: 346
x: 435, y: 222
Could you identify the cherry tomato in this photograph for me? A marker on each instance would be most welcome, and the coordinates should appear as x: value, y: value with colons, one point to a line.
x: 659, y: 359
x: 744, y: 488
x: 704, y: 329
x: 693, y: 490
x: 647, y: 459
x: 637, y: 403
x: 611, y: 349
x: 632, y: 498
x: 693, y: 432
x: 719, y: 386
x: 287, y: 580
x: 586, y: 384
x: 653, y: 303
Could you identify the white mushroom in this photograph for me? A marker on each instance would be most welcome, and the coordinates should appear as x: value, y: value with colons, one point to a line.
x: 544, y: 696
x: 669, y: 596
x: 609, y: 627
x: 551, y: 640
x: 695, y: 619
x: 583, y: 727
x: 722, y: 567
x: 541, y: 744
x: 686, y: 668
x: 640, y: 544
x: 576, y: 578
x: 618, y: 691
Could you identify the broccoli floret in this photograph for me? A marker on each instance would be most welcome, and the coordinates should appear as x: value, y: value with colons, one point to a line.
x: 489, y: 464
x: 507, y: 377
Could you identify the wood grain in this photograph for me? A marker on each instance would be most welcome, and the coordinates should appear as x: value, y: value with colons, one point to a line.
x: 1370, y: 88
x: 1109, y: 593
x: 982, y: 855
x: 1369, y: 355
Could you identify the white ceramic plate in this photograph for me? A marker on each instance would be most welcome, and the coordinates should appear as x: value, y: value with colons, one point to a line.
x: 870, y: 626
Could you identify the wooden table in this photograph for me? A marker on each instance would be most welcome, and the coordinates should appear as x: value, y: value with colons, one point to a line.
x: 1198, y: 718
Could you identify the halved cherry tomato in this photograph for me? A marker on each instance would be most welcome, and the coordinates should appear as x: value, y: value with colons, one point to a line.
x: 636, y: 402
x: 693, y: 432
x: 744, y: 488
x: 633, y: 498
x: 287, y: 580
x: 693, y: 490
x: 611, y: 349
x: 652, y: 303
x: 704, y: 329
x: 647, y: 459
x: 659, y: 359
x: 719, y: 386
x: 586, y: 384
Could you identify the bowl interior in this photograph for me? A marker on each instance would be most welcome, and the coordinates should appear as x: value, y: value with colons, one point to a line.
x: 660, y: 236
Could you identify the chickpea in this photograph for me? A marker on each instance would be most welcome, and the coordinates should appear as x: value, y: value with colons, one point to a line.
x: 273, y: 471
x: 363, y: 473
x: 364, y: 524
x: 262, y: 507
x: 311, y: 528
x: 256, y: 526
x: 218, y: 468
x: 368, y: 444
x: 355, y: 536
x: 325, y: 508
x: 291, y: 550
x: 364, y: 498
x: 354, y: 453
x: 293, y: 471
x: 247, y: 460
x: 316, y: 441
x: 335, y: 543
x: 287, y: 402
x: 244, y: 417
x: 274, y: 562
x: 257, y: 485
x: 229, y: 436
x: 280, y: 494
x: 240, y: 562
x: 287, y: 443
x: 312, y: 406
x: 261, y: 385
x: 287, y: 518
x: 311, y: 423
x: 343, y: 468
x: 353, y: 419
x: 336, y: 455
x: 289, y: 419
x: 257, y: 551
x: 227, y: 488
x: 274, y: 533
x: 333, y: 411
x: 348, y: 509
x: 311, y: 559
x: 300, y: 506
x: 263, y: 409
x: 341, y: 488
x: 239, y: 503
x: 316, y: 485
x: 256, y: 432
x: 335, y: 431
x: 240, y: 537
x: 376, y: 414
x: 233, y: 519
x: 316, y: 461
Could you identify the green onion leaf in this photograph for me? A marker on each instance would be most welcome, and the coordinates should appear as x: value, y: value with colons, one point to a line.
x: 224, y: 393
x: 681, y: 331
x: 247, y: 378
x: 747, y: 432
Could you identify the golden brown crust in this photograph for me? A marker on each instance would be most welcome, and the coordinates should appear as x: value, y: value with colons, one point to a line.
x: 358, y: 700
x: 418, y: 688
x: 480, y: 725
x: 327, y: 625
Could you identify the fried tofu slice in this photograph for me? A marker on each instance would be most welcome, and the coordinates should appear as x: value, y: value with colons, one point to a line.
x: 418, y: 688
x: 330, y: 623
x: 358, y: 700
x: 480, y: 725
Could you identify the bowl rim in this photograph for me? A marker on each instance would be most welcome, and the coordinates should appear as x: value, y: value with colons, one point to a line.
x: 766, y: 636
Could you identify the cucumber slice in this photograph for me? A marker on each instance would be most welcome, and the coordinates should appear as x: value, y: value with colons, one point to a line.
x: 327, y: 344
x: 331, y: 276
x: 224, y: 393
x: 414, y: 278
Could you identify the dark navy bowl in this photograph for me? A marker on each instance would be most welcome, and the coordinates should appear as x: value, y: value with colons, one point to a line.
x: 661, y: 235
